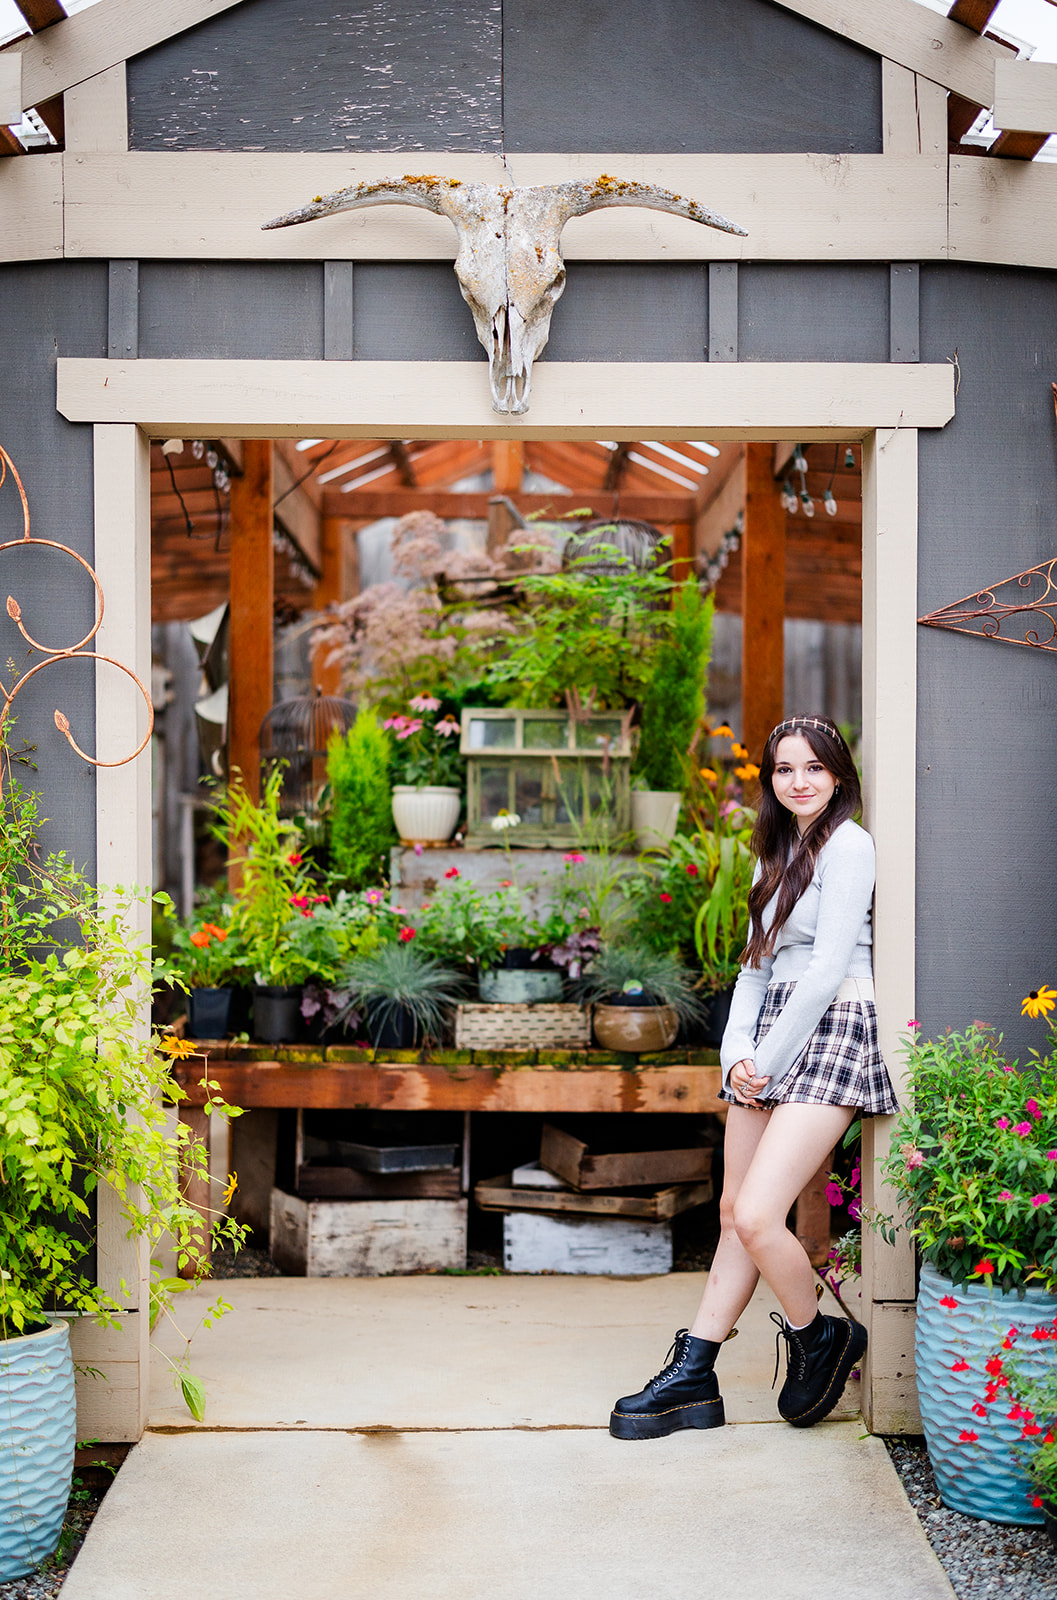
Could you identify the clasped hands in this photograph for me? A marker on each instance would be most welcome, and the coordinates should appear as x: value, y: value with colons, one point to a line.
x: 745, y: 1084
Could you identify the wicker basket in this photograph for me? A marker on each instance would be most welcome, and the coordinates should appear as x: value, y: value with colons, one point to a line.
x: 514, y: 1027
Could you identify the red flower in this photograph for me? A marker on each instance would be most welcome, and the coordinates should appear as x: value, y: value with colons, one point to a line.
x: 452, y: 872
x: 967, y: 1436
x: 994, y: 1366
x: 1030, y: 1430
x: 406, y: 935
x: 506, y: 883
x: 949, y: 1301
x: 979, y: 1410
x: 983, y: 1269
x: 960, y: 1366
x: 200, y: 939
x: 691, y: 870
x: 666, y: 898
x: 295, y: 860
x: 1036, y: 1500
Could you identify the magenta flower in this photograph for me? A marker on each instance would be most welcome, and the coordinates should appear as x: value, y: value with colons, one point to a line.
x: 1003, y: 1122
x: 1051, y: 1155
x: 834, y: 1193
x: 854, y: 1210
x: 1023, y: 1128
x: 914, y: 1159
x: 913, y: 1023
x: 1032, y: 1109
x: 1040, y: 1200
x: 1005, y: 1195
x: 574, y: 857
x: 374, y: 897
x: 424, y: 702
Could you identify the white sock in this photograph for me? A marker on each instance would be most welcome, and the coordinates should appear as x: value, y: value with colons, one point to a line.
x: 799, y: 1327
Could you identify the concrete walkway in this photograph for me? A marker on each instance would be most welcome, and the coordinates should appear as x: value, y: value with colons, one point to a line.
x: 445, y: 1439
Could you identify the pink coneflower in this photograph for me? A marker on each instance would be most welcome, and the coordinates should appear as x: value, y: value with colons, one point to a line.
x: 446, y: 727
x: 574, y: 857
x: 424, y: 702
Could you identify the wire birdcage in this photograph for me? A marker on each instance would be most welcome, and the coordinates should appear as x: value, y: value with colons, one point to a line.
x: 297, y: 732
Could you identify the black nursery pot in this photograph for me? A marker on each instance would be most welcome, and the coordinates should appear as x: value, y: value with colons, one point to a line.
x: 276, y: 1013
x: 209, y: 1013
x: 1049, y: 1517
x: 391, y: 1027
x: 716, y: 1015
x: 520, y: 960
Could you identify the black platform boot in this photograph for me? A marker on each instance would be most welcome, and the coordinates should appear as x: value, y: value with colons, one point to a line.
x: 685, y: 1395
x: 819, y: 1360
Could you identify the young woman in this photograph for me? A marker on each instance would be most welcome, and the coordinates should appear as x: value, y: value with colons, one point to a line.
x: 800, y: 1060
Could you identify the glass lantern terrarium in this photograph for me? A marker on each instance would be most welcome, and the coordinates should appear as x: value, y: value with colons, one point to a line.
x: 558, y: 774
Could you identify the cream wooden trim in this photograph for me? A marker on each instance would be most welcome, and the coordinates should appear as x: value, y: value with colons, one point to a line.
x: 890, y: 519
x: 914, y: 113
x: 1003, y: 211
x: 917, y: 38
x: 97, y: 113
x: 199, y: 204
x: 1026, y: 96
x: 113, y: 1377
x: 449, y: 399
x: 31, y: 208
x: 93, y: 40
x: 10, y: 89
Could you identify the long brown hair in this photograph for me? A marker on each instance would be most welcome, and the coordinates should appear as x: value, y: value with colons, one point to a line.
x: 776, y: 831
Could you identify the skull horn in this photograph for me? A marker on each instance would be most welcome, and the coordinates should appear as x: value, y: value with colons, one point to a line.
x: 429, y: 194
x: 578, y: 198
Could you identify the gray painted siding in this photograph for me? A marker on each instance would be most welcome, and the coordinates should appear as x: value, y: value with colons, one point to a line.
x: 46, y: 310
x: 813, y: 313
x: 524, y: 75
x: 987, y: 769
x: 702, y: 75
x: 315, y: 75
x: 216, y: 309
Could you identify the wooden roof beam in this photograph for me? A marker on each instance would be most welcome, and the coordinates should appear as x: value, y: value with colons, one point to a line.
x: 615, y: 469
x: 402, y: 457
x: 371, y: 503
x: 973, y: 14
x: 41, y: 14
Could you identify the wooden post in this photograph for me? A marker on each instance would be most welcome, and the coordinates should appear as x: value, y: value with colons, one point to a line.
x: 508, y: 465
x: 252, y: 605
x: 682, y: 535
x: 762, y: 601
x: 813, y: 1212
x: 335, y: 533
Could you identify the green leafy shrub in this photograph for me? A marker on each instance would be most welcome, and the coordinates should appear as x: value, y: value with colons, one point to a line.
x: 361, y: 827
x: 673, y: 702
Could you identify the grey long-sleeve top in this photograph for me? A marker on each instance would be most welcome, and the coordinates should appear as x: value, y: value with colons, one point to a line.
x: 826, y: 939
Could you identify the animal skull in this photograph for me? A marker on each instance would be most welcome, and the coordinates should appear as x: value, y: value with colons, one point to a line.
x: 509, y: 264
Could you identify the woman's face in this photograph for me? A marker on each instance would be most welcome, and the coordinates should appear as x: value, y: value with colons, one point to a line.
x: 801, y: 783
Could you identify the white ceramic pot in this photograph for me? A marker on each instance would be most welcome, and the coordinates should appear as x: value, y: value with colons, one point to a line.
x: 426, y: 815
x: 654, y: 817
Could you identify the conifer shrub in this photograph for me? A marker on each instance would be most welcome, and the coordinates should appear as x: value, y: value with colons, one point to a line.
x: 674, y: 699
x: 361, y: 827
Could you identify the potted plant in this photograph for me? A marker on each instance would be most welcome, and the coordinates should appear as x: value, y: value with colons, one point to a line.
x: 361, y: 802
x: 673, y: 704
x: 404, y: 994
x: 274, y: 890
x: 1019, y: 1403
x: 82, y: 1104
x: 207, y: 959
x: 428, y: 799
x: 973, y: 1161
x: 640, y: 997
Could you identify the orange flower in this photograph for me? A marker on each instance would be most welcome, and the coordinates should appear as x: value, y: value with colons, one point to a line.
x: 218, y: 933
x: 177, y: 1049
x: 200, y: 939
x: 709, y: 775
x: 723, y: 732
x: 740, y: 751
x: 747, y: 773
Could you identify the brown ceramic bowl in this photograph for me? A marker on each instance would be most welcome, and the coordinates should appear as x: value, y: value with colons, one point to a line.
x: 637, y: 1029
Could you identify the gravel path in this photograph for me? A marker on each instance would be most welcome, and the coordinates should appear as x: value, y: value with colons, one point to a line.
x: 981, y: 1559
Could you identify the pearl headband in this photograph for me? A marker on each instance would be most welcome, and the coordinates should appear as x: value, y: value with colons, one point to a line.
x: 804, y: 722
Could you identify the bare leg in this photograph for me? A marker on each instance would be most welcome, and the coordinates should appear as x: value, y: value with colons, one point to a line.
x: 794, y: 1141
x: 733, y: 1275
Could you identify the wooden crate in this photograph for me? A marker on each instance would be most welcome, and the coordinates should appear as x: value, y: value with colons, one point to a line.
x: 502, y: 1194
x: 618, y: 1247
x: 345, y: 1183
x: 572, y: 1161
x: 522, y: 1027
x: 365, y: 1238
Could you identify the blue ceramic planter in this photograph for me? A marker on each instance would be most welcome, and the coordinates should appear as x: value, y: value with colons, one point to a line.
x: 982, y: 1479
x: 37, y: 1438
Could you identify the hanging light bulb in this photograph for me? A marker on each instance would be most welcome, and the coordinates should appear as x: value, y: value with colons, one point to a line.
x: 211, y: 458
x: 830, y: 503
x: 849, y: 459
x: 198, y: 449
x: 789, y: 500
x: 800, y: 463
x: 808, y: 504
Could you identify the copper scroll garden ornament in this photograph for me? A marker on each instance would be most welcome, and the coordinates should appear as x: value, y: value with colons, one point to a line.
x: 54, y: 653
x: 1017, y: 610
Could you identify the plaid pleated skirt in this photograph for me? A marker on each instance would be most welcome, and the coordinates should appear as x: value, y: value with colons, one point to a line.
x: 841, y: 1064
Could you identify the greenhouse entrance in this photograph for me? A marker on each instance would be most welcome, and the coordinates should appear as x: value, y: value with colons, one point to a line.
x: 403, y: 571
